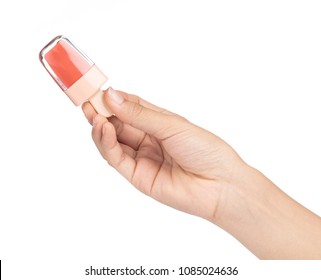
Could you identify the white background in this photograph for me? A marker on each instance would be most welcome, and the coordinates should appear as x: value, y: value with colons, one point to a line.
x: 249, y: 71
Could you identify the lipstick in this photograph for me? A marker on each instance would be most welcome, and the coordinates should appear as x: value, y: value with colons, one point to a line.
x: 75, y: 73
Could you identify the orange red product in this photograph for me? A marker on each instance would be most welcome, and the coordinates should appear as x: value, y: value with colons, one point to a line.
x: 75, y: 73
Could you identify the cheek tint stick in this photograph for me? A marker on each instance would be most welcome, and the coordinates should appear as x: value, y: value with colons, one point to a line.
x: 75, y: 73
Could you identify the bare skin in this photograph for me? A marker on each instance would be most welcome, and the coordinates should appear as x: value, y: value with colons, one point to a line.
x: 188, y: 168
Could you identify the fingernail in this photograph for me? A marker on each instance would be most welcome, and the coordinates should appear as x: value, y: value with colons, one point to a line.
x: 115, y: 96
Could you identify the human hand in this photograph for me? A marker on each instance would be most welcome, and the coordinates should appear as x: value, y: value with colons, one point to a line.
x: 188, y: 168
x: 163, y: 155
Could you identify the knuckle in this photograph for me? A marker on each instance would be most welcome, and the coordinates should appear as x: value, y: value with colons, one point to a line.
x: 135, y: 110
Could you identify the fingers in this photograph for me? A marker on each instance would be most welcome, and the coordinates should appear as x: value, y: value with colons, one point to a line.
x: 97, y: 130
x: 89, y: 112
x: 119, y: 156
x: 119, y: 137
x: 142, y: 115
x: 126, y: 134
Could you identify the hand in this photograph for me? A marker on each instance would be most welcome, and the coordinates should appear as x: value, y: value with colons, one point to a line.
x: 164, y: 155
x: 188, y: 168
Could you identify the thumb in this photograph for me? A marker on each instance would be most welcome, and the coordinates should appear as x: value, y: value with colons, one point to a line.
x: 142, y: 115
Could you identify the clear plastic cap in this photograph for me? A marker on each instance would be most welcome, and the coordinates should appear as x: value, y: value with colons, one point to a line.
x: 65, y: 63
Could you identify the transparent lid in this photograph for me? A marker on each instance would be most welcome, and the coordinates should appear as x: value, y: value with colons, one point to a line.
x: 64, y: 61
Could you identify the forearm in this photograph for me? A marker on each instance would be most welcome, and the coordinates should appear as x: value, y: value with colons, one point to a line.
x: 267, y: 221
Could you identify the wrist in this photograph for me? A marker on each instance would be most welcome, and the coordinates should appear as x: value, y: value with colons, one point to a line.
x: 238, y: 194
x: 267, y: 221
x: 245, y: 209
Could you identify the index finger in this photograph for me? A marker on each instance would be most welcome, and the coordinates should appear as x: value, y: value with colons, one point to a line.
x: 89, y: 112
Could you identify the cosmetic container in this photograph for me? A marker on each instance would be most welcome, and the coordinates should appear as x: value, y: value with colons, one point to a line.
x: 73, y: 71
